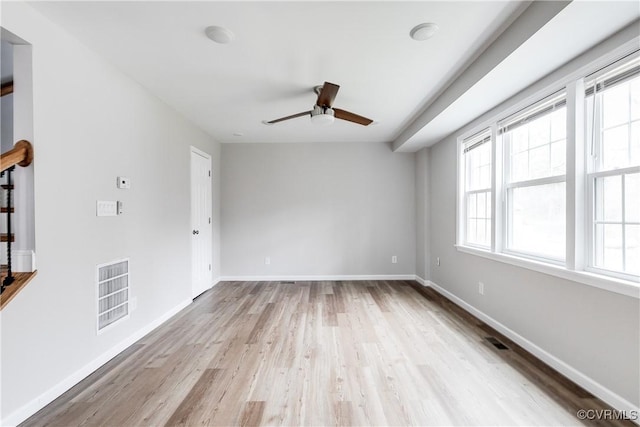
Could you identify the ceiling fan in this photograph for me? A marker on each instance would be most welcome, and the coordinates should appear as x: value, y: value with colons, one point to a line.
x: 323, y: 112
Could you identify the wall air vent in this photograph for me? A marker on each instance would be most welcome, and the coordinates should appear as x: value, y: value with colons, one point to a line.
x: 113, y: 292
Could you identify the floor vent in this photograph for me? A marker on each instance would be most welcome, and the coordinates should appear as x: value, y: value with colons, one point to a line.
x: 497, y: 344
x: 288, y: 283
x: 113, y: 292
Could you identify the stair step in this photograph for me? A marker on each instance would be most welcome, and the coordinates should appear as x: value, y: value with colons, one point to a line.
x: 7, y: 187
x: 11, y: 291
x: 4, y: 210
x: 4, y: 237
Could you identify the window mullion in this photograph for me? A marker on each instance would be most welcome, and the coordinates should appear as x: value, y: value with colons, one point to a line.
x: 624, y: 228
x: 575, y: 177
x: 497, y: 225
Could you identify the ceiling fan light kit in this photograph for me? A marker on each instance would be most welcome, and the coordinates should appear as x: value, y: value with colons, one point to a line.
x: 323, y: 112
x: 322, y: 116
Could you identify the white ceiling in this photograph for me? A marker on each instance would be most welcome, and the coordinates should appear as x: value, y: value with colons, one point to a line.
x: 283, y: 49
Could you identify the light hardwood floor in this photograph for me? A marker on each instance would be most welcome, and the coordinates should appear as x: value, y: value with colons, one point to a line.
x: 320, y: 354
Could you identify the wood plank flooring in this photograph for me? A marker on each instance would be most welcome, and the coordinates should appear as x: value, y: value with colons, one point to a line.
x: 366, y: 353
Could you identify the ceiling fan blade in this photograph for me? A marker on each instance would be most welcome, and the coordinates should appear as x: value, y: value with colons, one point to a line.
x: 327, y: 94
x: 351, y: 117
x: 306, y: 113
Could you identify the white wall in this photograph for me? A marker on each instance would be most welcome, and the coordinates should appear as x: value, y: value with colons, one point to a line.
x: 317, y: 209
x: 6, y: 102
x: 91, y: 124
x: 592, y: 333
x: 592, y: 330
x: 423, y: 255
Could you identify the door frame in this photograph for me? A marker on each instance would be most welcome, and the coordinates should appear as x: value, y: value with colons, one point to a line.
x: 194, y: 150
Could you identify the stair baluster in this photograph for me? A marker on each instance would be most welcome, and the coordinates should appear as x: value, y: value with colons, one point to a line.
x: 9, y: 279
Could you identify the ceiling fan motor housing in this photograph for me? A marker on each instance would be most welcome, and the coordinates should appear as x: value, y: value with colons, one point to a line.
x: 322, y: 115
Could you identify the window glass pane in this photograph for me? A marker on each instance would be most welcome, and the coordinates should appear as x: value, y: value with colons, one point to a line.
x: 520, y: 166
x: 479, y: 219
x: 481, y: 237
x: 481, y: 205
x: 558, y: 154
x: 615, y: 147
x: 558, y: 125
x: 539, y: 162
x: 609, y: 246
x: 634, y: 157
x: 632, y: 198
x: 632, y: 246
x: 538, y: 147
x: 615, y: 105
x: 609, y: 198
x: 471, y: 230
x: 471, y: 206
x: 519, y: 139
x: 634, y: 86
x: 478, y: 167
x: 539, y: 131
x: 538, y: 220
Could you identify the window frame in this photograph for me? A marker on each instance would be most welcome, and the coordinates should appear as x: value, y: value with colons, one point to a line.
x: 557, y: 98
x: 579, y: 179
x: 477, y: 138
x: 595, y: 169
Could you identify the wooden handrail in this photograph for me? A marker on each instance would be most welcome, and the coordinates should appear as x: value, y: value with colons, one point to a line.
x: 6, y: 88
x: 21, y: 155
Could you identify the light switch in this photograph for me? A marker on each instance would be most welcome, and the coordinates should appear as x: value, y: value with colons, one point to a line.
x: 106, y: 208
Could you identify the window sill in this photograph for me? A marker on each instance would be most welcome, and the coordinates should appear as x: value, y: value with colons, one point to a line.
x: 611, y: 284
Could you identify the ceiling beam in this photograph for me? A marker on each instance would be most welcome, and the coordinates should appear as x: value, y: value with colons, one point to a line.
x: 532, y: 19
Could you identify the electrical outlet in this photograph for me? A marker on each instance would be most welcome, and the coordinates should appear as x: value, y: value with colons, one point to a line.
x: 481, y: 288
x: 394, y: 259
x: 438, y: 261
x: 267, y: 260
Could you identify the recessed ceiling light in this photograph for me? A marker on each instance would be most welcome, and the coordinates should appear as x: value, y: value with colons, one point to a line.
x: 219, y: 34
x: 238, y: 134
x: 424, y: 31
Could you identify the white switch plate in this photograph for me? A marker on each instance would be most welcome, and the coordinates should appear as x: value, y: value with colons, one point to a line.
x: 106, y: 208
x: 394, y: 259
x: 124, y: 182
x: 267, y: 260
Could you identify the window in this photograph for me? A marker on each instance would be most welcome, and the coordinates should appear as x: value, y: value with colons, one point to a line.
x: 612, y: 110
x: 558, y: 181
x: 534, y: 144
x: 477, y: 196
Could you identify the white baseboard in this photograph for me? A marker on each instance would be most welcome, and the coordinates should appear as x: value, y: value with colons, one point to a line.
x: 56, y: 391
x: 317, y: 278
x: 22, y: 261
x: 25, y: 261
x: 586, y: 382
x: 422, y: 281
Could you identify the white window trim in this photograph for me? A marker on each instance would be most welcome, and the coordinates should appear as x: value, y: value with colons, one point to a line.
x: 608, y: 283
x: 575, y: 267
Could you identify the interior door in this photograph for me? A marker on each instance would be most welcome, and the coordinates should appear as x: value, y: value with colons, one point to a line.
x: 201, y: 228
